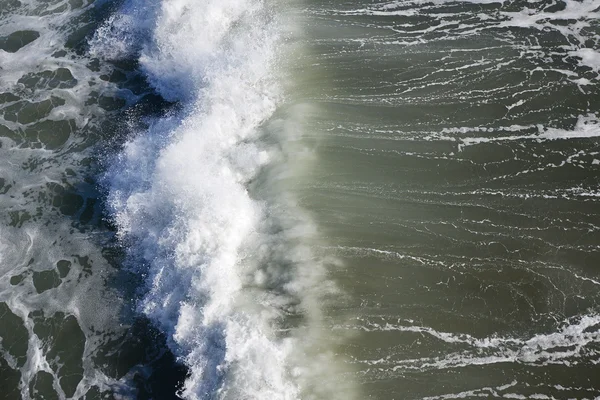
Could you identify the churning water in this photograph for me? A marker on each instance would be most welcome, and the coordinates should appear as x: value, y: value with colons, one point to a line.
x: 317, y: 199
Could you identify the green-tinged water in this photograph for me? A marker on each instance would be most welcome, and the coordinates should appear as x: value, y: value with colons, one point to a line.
x: 309, y: 200
x: 456, y: 178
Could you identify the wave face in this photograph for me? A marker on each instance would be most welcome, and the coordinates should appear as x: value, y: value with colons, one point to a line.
x: 178, y: 194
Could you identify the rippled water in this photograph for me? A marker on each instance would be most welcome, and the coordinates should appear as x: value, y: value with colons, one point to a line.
x: 251, y: 199
x: 457, y: 178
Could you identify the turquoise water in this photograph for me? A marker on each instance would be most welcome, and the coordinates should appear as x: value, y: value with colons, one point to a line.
x: 299, y: 200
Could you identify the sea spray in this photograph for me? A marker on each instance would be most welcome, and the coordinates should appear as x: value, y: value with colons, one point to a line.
x: 227, y: 276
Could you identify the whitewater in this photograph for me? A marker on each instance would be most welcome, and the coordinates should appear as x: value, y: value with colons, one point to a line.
x: 224, y: 269
x: 208, y: 246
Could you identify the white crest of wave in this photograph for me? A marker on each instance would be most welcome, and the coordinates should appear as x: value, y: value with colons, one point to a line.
x: 178, y: 195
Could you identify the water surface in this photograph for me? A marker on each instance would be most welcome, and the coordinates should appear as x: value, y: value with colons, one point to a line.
x: 321, y: 199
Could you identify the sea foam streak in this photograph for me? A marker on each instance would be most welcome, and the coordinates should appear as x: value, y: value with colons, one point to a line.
x: 215, y: 283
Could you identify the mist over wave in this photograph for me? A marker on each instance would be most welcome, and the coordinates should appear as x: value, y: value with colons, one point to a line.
x: 229, y: 278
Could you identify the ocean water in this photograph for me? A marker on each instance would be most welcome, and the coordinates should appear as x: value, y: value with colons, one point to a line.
x: 313, y: 199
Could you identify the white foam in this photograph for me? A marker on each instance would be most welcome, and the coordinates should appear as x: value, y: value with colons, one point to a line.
x: 218, y: 281
x: 48, y: 236
x: 589, y: 57
x: 567, y: 345
x: 587, y: 126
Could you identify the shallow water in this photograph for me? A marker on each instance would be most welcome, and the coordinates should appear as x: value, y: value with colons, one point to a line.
x: 322, y: 199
